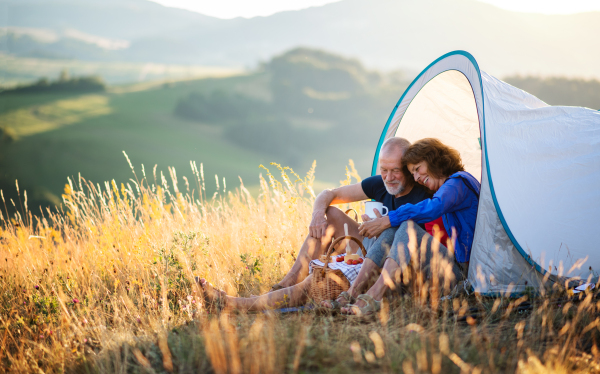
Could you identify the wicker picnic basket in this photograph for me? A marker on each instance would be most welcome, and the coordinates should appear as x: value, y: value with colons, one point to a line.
x: 326, y: 283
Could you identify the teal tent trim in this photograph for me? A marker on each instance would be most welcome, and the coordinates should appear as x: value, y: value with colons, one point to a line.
x: 484, y: 146
x: 389, y: 121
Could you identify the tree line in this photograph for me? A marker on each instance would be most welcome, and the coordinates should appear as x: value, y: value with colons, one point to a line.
x: 64, y: 84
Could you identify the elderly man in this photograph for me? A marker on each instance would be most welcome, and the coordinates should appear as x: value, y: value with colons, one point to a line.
x: 392, y: 187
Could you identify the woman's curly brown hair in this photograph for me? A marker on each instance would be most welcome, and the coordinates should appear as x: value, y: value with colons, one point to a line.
x: 442, y: 160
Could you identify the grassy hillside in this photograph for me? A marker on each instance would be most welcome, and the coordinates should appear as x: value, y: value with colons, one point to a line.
x: 64, y: 136
x: 317, y: 115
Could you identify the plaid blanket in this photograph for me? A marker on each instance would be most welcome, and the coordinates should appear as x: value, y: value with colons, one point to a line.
x: 350, y: 271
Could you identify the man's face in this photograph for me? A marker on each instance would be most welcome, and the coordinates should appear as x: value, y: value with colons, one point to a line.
x: 390, y: 167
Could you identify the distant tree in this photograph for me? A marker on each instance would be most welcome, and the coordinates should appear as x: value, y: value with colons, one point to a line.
x: 64, y: 84
x: 64, y: 76
x: 220, y: 107
x: 327, y: 83
x: 277, y: 137
x: 318, y: 98
x: 560, y: 90
x: 42, y: 82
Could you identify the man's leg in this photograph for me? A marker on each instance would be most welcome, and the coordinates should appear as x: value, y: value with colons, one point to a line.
x: 312, y: 248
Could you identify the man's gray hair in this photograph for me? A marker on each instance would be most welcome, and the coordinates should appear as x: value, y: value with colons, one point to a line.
x: 396, y: 142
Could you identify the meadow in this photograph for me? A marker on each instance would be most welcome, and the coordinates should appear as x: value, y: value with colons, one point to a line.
x: 105, y: 284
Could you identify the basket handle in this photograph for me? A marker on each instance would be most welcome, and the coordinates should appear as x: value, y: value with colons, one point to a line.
x: 332, y: 245
x: 355, y: 213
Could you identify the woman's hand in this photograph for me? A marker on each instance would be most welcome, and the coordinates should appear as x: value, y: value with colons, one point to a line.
x: 373, y: 227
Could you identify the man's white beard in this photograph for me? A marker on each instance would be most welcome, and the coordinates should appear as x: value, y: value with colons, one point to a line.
x: 394, y: 189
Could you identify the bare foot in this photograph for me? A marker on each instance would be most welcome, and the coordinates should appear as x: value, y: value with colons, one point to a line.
x: 355, y: 308
x: 276, y: 287
x: 212, y: 296
x: 340, y: 302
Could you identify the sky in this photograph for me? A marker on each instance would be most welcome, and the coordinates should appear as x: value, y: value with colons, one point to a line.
x: 253, y: 8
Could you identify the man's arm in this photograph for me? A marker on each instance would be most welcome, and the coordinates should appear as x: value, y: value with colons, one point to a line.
x: 340, y: 195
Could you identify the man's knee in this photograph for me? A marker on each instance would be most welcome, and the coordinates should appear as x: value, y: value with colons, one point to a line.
x: 387, y: 236
x: 334, y: 214
x: 337, y: 218
x: 404, y: 226
x: 389, y: 230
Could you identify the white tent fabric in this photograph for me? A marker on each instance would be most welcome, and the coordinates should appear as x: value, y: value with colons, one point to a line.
x: 539, y: 166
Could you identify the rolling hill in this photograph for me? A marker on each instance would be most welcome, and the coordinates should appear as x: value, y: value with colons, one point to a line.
x: 388, y: 34
x: 304, y: 105
x: 68, y: 135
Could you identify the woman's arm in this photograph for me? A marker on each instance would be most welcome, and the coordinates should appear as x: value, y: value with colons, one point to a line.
x: 451, y: 196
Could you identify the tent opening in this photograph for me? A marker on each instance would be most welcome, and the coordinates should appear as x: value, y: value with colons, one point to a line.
x: 445, y: 109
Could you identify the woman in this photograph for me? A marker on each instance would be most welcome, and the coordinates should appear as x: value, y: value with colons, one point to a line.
x: 456, y: 197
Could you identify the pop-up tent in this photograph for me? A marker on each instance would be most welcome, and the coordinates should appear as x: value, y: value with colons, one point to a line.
x: 539, y: 167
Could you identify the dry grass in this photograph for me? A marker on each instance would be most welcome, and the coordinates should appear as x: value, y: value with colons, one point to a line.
x: 105, y: 285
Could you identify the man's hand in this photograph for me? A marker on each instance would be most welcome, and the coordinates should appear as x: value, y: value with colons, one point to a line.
x: 318, y: 226
x: 373, y: 227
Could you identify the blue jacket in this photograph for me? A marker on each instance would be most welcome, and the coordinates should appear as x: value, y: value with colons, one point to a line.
x: 456, y: 201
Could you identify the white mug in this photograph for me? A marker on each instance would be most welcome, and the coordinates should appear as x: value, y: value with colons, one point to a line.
x: 370, y: 205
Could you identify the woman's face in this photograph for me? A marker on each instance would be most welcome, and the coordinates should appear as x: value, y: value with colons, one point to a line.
x: 421, y: 174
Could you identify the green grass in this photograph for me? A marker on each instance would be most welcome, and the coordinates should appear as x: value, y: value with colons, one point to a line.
x: 139, y: 123
x: 62, y: 135
x: 55, y: 115
x: 9, y: 103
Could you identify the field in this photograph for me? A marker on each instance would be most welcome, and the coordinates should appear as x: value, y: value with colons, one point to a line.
x: 106, y: 285
x: 63, y: 135
x: 52, y: 136
x: 88, y: 134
